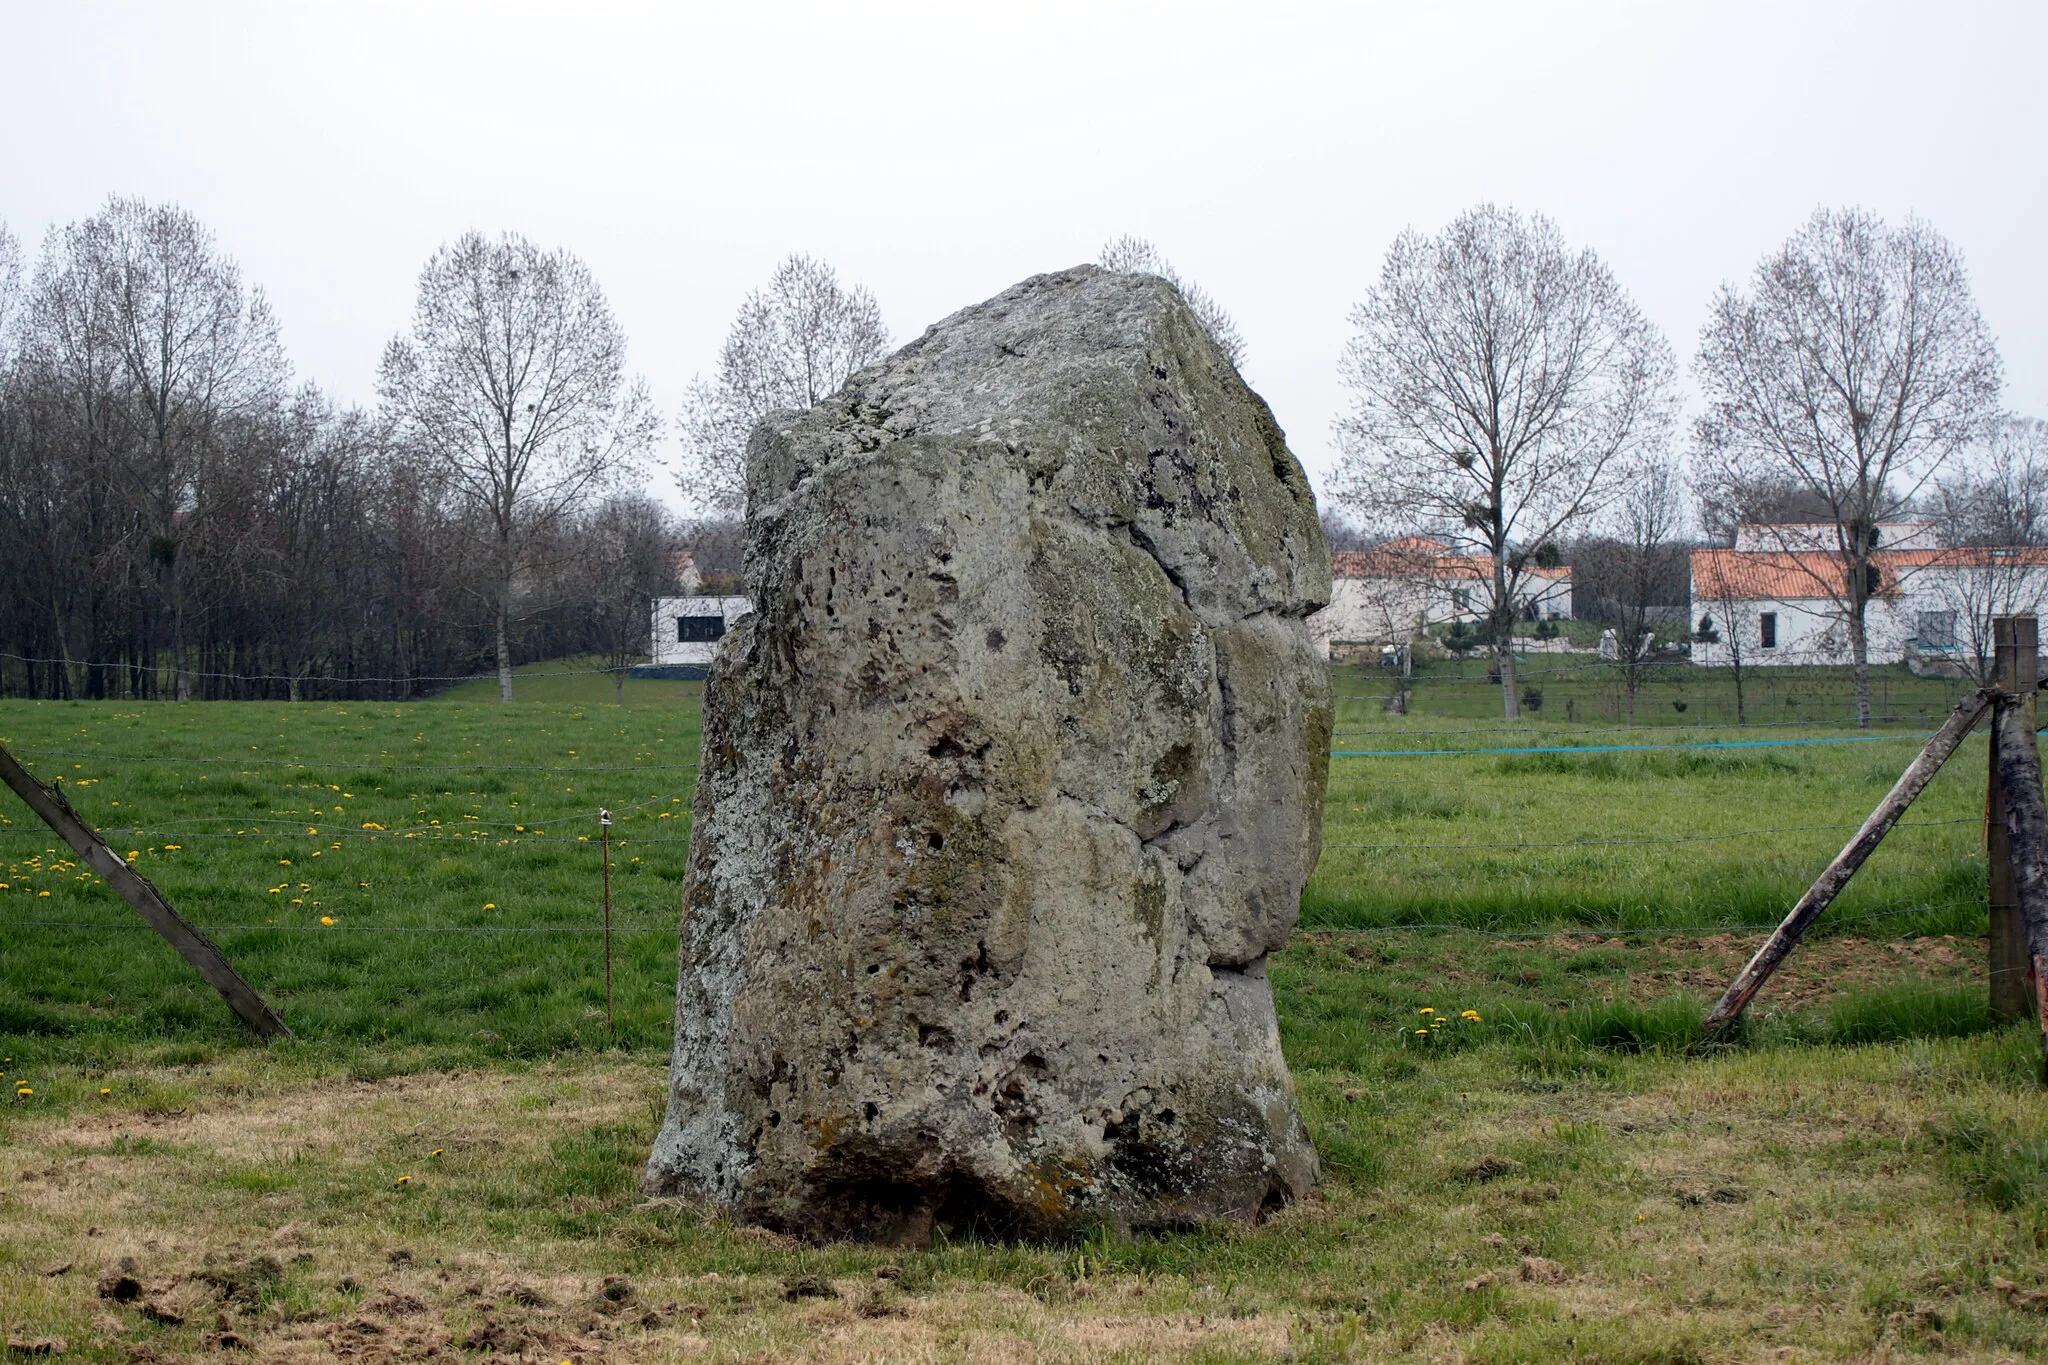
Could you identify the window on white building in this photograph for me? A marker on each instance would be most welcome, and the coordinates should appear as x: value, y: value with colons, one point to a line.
x: 1936, y: 629
x: 699, y: 629
x: 1767, y: 629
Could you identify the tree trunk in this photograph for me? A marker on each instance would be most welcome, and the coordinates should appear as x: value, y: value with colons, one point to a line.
x: 1859, y: 655
x: 1502, y: 619
x: 504, y: 645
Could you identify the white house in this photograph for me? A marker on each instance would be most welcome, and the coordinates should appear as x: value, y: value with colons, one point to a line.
x: 686, y: 634
x: 1797, y: 536
x: 1786, y: 606
x: 1390, y: 593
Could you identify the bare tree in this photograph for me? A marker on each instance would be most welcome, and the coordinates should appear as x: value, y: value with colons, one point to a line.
x: 194, y: 354
x: 514, y: 378
x: 1637, y: 565
x: 793, y: 344
x: 1728, y: 619
x: 1991, y: 507
x: 1130, y: 255
x: 1503, y: 384
x: 10, y: 291
x: 1852, y: 368
x: 628, y: 557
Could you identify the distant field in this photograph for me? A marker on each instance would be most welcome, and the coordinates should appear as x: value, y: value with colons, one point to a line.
x: 1567, y: 1175
x: 1577, y: 689
x: 579, y: 681
x: 260, y: 819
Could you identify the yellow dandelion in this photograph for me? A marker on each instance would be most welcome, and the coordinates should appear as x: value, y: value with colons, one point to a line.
x: 1425, y: 1010
x: 105, y: 1090
x: 490, y: 905
x: 1471, y: 1016
x: 24, y: 1090
x: 436, y: 1152
x: 298, y: 900
x: 1423, y: 1031
x: 284, y: 862
x: 172, y: 848
x: 42, y: 893
x: 405, y: 1180
x: 327, y: 919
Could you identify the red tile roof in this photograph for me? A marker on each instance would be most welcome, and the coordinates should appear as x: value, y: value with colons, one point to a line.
x: 1782, y: 576
x: 1420, y: 557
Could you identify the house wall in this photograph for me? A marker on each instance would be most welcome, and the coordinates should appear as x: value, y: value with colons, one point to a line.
x: 669, y: 649
x: 1384, y: 610
x: 1822, y: 536
x: 1810, y: 631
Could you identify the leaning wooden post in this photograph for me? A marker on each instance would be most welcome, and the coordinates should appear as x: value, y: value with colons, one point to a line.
x: 2016, y: 664
x: 2026, y: 824
x: 133, y: 887
x: 1830, y: 883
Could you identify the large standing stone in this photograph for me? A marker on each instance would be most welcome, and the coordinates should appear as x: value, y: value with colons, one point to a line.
x: 1011, y: 782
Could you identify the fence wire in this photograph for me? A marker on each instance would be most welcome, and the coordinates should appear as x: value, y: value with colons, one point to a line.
x: 492, y: 836
x: 367, y: 766
x: 323, y: 680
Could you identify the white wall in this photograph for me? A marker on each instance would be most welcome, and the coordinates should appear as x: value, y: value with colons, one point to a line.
x: 669, y: 649
x: 1811, y: 631
x: 1392, y: 610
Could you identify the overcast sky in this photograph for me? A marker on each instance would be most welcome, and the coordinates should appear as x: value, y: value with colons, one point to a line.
x: 939, y: 152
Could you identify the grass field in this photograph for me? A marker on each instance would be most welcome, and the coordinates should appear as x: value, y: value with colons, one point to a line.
x: 1863, y: 1175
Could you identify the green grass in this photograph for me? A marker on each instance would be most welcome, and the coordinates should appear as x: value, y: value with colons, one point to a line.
x: 1855, y: 1173
x: 456, y: 815
x: 581, y: 680
x: 1578, y: 690
x: 442, y: 816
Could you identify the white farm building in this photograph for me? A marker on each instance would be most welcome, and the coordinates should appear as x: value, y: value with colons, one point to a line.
x: 686, y: 634
x: 1779, y: 597
x: 1390, y: 593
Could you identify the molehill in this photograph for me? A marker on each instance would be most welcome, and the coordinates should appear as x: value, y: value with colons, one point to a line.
x: 1010, y: 784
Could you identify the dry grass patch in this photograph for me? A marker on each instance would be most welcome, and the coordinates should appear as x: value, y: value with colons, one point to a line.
x: 1784, y: 1203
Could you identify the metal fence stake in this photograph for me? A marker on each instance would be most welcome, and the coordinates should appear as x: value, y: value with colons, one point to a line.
x: 604, y: 829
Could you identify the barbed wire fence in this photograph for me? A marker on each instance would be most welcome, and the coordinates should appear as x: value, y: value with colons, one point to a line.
x: 492, y: 835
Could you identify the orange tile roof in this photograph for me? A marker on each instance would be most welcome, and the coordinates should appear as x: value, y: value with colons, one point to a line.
x: 1418, y: 557
x: 1773, y: 575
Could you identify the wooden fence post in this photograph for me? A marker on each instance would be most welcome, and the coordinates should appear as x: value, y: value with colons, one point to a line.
x: 133, y: 887
x: 2026, y: 820
x: 1829, y: 884
x: 2016, y: 646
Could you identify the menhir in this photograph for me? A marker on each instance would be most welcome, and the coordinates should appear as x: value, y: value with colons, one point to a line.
x: 1010, y: 784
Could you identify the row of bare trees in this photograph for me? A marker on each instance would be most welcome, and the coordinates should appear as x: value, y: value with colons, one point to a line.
x: 1510, y: 395
x: 180, y: 518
